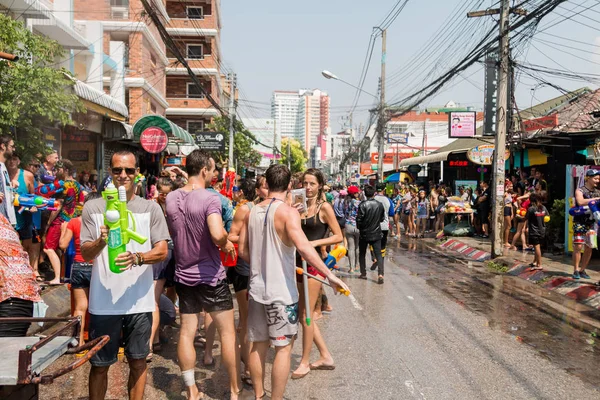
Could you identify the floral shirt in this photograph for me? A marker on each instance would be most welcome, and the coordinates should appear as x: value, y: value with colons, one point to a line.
x: 17, y: 278
x: 74, y: 196
x: 352, y: 211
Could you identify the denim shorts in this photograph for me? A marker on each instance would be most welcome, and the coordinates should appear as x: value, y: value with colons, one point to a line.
x: 81, y: 274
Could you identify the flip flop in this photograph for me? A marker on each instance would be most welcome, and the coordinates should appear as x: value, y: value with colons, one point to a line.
x: 322, y: 367
x: 299, y: 376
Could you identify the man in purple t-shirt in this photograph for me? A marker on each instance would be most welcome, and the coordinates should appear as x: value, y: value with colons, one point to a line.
x: 196, y: 226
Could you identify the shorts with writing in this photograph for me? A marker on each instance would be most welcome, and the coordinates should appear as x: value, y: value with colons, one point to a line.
x: 275, y: 322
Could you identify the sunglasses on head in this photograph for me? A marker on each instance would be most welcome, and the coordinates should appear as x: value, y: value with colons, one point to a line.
x: 119, y: 170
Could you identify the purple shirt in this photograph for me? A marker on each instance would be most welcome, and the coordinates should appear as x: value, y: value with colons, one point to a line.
x: 197, y: 258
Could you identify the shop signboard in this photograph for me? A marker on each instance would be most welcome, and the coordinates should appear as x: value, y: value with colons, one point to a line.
x: 546, y: 122
x: 388, y: 158
x: 211, y: 141
x: 483, y: 154
x: 462, y: 124
x: 154, y: 140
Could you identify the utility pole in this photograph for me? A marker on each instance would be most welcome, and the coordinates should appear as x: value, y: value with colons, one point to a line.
x: 233, y: 79
x: 424, y: 142
x: 497, y: 187
x: 382, y: 112
x: 274, y: 159
x: 289, y: 153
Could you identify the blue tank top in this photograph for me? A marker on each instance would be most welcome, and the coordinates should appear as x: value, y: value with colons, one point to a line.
x: 37, y: 217
x: 21, y: 190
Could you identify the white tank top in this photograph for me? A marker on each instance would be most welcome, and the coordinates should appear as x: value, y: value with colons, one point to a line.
x: 272, y: 263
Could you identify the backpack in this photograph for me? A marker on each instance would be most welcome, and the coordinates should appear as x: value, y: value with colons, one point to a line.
x: 391, y: 211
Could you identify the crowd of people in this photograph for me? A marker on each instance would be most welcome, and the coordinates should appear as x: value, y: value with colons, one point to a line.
x: 203, y: 245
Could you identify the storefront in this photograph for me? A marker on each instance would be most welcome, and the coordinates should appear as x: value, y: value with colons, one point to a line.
x: 164, y: 142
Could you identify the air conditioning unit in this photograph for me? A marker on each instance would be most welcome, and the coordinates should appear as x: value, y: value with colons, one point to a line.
x: 119, y: 12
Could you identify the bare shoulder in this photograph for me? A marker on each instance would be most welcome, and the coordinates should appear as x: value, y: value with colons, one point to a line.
x: 28, y: 175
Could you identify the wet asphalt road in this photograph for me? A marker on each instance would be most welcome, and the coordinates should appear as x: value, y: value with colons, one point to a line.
x: 439, y: 328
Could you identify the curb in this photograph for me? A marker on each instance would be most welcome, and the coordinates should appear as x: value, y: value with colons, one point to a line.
x: 581, y: 292
x: 466, y: 250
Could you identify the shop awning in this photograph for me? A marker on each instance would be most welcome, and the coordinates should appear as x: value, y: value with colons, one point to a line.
x: 530, y: 157
x: 100, y: 102
x: 178, y: 134
x: 430, y: 158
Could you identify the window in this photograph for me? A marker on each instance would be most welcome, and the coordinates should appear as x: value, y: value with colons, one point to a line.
x: 195, y: 127
x: 193, y: 91
x: 194, y: 52
x: 195, y: 12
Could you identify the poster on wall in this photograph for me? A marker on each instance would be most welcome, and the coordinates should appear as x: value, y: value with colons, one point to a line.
x: 462, y: 124
x: 465, y: 185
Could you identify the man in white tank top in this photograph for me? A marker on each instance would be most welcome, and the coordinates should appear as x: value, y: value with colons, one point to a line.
x: 268, y: 241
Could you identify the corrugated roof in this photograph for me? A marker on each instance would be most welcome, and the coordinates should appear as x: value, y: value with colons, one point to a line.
x: 95, y: 96
x: 551, y: 105
x: 575, y: 117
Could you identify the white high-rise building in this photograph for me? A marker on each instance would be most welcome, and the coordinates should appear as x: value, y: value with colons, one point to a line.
x: 304, y: 116
x: 284, y: 110
x: 264, y: 131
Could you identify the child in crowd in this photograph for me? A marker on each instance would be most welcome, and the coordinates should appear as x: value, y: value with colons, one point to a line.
x: 536, y: 220
x: 422, y: 213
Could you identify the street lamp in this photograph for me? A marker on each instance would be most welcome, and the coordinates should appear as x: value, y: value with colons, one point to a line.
x: 331, y: 75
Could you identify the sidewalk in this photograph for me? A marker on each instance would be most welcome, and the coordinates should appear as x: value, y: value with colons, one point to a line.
x: 555, y: 277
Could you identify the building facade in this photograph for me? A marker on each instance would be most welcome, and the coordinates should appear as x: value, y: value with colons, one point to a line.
x: 303, y: 115
x: 265, y: 131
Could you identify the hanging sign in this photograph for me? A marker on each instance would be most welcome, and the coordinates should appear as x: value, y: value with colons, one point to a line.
x: 154, y: 140
x: 462, y: 124
x: 483, y: 154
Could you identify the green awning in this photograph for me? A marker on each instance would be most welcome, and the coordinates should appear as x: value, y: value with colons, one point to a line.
x: 178, y: 134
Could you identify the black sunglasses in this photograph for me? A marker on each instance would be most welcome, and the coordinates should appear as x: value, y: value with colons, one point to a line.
x: 119, y: 170
x: 35, y: 165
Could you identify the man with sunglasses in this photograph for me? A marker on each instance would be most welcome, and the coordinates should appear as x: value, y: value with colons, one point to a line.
x: 121, y: 305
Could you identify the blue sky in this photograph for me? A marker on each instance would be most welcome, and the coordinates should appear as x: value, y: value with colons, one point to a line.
x: 285, y: 44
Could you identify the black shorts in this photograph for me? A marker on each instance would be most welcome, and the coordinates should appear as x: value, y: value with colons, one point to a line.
x: 81, y: 275
x: 239, y: 281
x: 507, y: 211
x: 136, y: 330
x: 535, y: 240
x: 341, y: 222
x: 14, y: 307
x: 193, y: 299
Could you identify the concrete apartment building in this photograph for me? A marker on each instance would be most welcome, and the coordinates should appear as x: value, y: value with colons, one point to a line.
x: 153, y: 81
x: 304, y: 116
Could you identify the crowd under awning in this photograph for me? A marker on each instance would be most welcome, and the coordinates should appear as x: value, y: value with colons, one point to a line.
x: 176, y: 134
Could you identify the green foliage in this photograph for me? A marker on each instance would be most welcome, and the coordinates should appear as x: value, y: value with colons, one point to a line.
x: 243, y: 140
x: 33, y: 92
x: 556, y: 226
x: 298, y: 156
x: 496, y: 267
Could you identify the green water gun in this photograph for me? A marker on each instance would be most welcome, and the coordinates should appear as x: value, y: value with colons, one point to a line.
x: 116, y: 219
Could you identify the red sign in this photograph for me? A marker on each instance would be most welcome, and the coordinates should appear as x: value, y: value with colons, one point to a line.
x: 388, y: 158
x: 365, y: 169
x: 458, y: 163
x: 549, y: 121
x: 154, y: 140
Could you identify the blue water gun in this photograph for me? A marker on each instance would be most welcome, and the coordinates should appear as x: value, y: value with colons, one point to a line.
x: 50, y: 189
x: 592, y: 208
x: 334, y: 256
x: 28, y: 201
